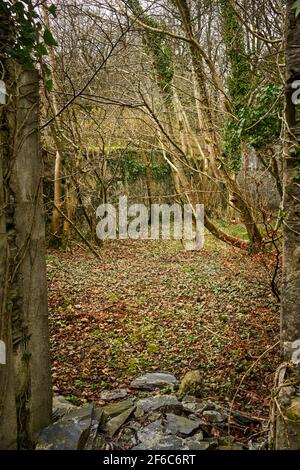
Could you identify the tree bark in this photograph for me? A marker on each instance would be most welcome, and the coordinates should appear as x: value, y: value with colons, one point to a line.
x: 287, y: 409
x: 24, y: 315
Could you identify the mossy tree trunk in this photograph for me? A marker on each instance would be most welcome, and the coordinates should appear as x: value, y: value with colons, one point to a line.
x: 287, y: 403
x: 25, y: 378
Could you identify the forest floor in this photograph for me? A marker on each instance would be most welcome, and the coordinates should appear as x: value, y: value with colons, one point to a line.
x: 151, y: 306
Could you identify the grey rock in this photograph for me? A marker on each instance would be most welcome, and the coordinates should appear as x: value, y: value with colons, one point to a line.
x: 99, y: 442
x: 171, y: 442
x: 154, y: 431
x: 134, y: 425
x: 159, y: 402
x: 181, y: 425
x: 109, y: 395
x: 198, y: 436
x: 95, y: 424
x: 193, y: 444
x: 197, y: 406
x: 168, y: 442
x: 262, y: 445
x: 154, y: 381
x: 213, y: 416
x: 69, y: 433
x: 61, y: 406
x: 115, y: 423
x: 116, y: 409
x: 127, y: 438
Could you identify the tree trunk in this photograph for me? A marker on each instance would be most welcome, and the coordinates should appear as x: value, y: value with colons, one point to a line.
x: 287, y: 409
x: 26, y: 395
x: 55, y: 128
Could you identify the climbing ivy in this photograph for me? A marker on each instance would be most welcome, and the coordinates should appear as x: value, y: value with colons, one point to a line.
x: 238, y: 82
x: 162, y: 57
x: 25, y: 37
x: 134, y: 167
x: 259, y: 124
x: 256, y: 123
x: 159, y: 170
x: 156, y: 46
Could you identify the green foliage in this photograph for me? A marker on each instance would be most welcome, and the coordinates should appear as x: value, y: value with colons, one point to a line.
x: 27, y: 39
x: 240, y: 69
x: 296, y: 6
x: 232, y: 145
x: 157, y: 48
x: 162, y: 56
x: 258, y: 124
x: 134, y: 167
x: 238, y: 82
x: 159, y: 170
x: 74, y: 400
x: 49, y: 85
x: 49, y: 39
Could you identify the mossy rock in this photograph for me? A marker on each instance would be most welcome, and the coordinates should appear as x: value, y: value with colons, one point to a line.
x: 191, y: 384
x: 293, y: 411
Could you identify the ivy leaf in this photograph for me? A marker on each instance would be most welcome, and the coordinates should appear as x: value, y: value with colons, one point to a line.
x: 296, y: 6
x: 46, y: 69
x: 49, y: 85
x: 52, y: 9
x: 49, y: 39
x: 41, y: 49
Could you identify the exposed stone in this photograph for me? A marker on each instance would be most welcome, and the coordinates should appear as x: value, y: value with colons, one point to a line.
x: 260, y: 445
x: 293, y: 411
x: 95, y: 424
x: 99, y: 442
x: 162, y: 422
x: 115, y: 423
x: 109, y: 395
x: 213, y: 416
x: 198, y: 436
x: 151, y: 432
x: 171, y: 442
x: 154, y: 381
x: 127, y: 438
x: 192, y: 404
x: 116, y: 409
x: 193, y: 444
x: 168, y: 442
x: 191, y: 384
x: 61, y: 406
x: 159, y: 402
x: 181, y: 425
x: 197, y: 406
x: 70, y: 433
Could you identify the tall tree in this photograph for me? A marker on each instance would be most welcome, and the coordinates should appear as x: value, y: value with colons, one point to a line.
x: 25, y: 383
x: 287, y: 427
